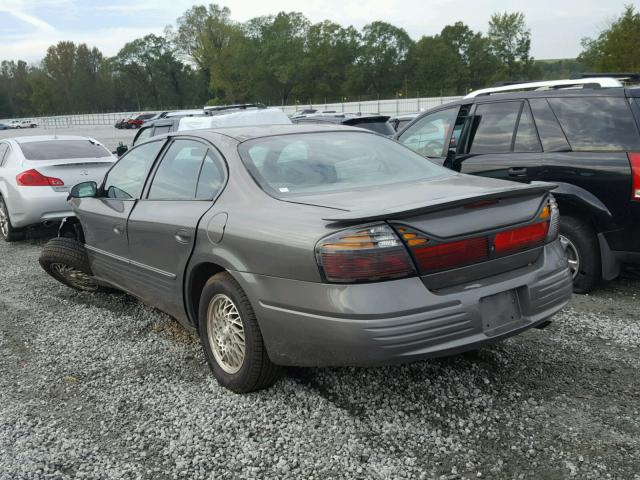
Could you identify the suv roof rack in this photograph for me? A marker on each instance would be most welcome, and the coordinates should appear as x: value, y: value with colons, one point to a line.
x: 629, y: 76
x: 598, y: 82
x: 238, y: 106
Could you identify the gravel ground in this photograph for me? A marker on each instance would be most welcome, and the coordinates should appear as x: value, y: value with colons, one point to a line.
x: 101, y: 386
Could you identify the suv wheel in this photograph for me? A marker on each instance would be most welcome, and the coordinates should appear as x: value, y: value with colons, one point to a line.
x: 231, y: 338
x: 581, y: 244
x: 66, y: 260
x: 8, y: 232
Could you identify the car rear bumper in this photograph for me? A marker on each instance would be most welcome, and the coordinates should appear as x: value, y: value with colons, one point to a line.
x: 318, y: 324
x: 38, y: 205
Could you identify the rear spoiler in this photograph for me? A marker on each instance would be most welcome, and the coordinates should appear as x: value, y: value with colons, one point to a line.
x: 422, y: 207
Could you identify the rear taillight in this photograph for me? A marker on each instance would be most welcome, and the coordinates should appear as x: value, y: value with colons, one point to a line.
x: 33, y: 178
x: 364, y: 254
x: 432, y: 256
x: 634, y: 160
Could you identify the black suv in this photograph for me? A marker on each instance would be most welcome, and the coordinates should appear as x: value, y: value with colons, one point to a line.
x: 586, y: 141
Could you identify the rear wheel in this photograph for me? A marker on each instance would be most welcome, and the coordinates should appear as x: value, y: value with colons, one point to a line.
x: 581, y: 244
x: 66, y: 260
x: 8, y: 232
x: 231, y: 337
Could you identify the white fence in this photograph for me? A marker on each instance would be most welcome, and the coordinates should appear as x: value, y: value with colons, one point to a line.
x: 384, y: 107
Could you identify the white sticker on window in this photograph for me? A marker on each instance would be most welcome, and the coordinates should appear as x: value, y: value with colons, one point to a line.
x: 284, y: 189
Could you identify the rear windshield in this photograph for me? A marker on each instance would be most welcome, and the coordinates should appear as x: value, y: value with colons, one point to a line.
x: 378, y: 126
x: 63, y: 150
x: 327, y: 162
x: 597, y: 123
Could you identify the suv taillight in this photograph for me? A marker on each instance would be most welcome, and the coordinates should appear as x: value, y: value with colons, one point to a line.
x: 33, y: 178
x: 634, y: 160
x: 364, y: 254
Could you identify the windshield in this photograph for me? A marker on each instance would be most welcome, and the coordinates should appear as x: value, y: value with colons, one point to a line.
x: 63, y: 150
x: 311, y: 163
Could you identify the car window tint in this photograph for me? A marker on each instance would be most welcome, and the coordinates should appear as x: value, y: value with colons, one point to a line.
x: 177, y: 175
x: 551, y: 135
x: 126, y: 179
x: 63, y: 149
x: 211, y: 177
x: 494, y: 126
x: 162, y: 129
x: 326, y: 162
x: 428, y: 135
x: 526, y: 136
x: 597, y: 123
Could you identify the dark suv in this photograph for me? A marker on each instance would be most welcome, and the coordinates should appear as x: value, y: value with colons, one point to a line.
x: 586, y: 141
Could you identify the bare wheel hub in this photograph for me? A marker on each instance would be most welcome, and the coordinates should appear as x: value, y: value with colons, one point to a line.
x: 4, y: 220
x: 572, y: 255
x: 226, y: 333
x: 74, y: 277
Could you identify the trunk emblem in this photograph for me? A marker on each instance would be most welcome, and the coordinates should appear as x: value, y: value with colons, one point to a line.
x: 84, y: 172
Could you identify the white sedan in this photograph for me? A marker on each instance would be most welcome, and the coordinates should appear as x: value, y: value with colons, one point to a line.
x: 36, y: 174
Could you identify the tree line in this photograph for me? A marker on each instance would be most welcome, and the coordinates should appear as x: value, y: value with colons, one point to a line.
x: 281, y: 59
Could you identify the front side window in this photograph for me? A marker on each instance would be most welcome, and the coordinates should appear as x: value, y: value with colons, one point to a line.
x: 162, y: 129
x: 597, y: 123
x: 326, y: 162
x: 126, y: 179
x: 429, y: 135
x: 177, y: 175
x: 63, y: 150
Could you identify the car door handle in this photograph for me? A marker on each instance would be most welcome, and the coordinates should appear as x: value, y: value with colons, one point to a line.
x: 517, y: 172
x: 118, y: 229
x: 182, y: 236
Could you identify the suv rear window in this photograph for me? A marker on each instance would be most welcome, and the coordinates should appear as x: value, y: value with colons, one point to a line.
x: 63, y: 150
x: 597, y: 123
x: 378, y: 126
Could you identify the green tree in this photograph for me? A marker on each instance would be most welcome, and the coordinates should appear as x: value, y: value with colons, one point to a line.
x: 510, y: 41
x: 617, y: 48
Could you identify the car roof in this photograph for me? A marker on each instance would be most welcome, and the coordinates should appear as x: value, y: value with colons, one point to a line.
x: 48, y: 138
x: 242, y: 134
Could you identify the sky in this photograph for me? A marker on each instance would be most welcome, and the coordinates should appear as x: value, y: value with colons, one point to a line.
x: 28, y: 27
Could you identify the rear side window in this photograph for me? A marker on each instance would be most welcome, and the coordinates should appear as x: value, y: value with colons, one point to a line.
x: 597, y: 123
x: 144, y: 134
x: 161, y: 130
x: 526, y: 136
x: 211, y: 178
x: 63, y: 150
x: 496, y: 123
x: 4, y: 148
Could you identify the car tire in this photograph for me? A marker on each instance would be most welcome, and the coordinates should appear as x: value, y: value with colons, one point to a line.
x: 66, y: 260
x: 8, y: 232
x: 581, y: 243
x: 225, y: 316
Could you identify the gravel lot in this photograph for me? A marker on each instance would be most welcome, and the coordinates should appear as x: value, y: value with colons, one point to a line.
x: 100, y: 386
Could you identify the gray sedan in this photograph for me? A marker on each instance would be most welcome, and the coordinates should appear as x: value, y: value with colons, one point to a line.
x: 314, y: 246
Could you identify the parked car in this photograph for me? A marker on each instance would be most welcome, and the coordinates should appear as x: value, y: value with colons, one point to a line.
x: 36, y: 173
x: 400, y: 121
x: 215, y: 109
x: 28, y: 124
x: 139, y: 120
x: 15, y: 124
x: 582, y: 135
x: 120, y: 124
x: 314, y: 245
x: 374, y: 122
x: 217, y: 119
x: 304, y: 112
x: 157, y: 116
x: 4, y: 126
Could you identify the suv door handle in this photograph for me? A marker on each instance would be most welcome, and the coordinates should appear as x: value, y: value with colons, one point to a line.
x: 182, y: 236
x: 517, y: 172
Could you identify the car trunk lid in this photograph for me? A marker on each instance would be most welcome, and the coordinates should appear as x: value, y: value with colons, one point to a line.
x: 72, y: 171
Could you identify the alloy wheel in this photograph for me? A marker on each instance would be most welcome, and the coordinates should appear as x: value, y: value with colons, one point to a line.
x: 572, y: 255
x: 75, y: 277
x: 226, y: 333
x: 4, y: 220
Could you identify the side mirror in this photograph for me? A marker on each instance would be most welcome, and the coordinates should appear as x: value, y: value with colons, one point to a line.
x: 84, y: 190
x: 121, y: 150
